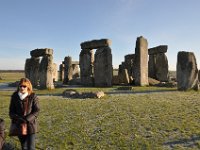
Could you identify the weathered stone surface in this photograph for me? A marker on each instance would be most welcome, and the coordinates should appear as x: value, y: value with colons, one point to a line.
x: 158, y: 49
x: 75, y: 62
x: 162, y: 72
x: 62, y: 71
x: 103, y: 67
x: 129, y: 63
x: 75, y: 94
x: 41, y: 52
x: 95, y: 44
x: 158, y: 67
x: 123, y: 76
x: 55, y: 72
x: 75, y: 71
x: 187, y: 72
x: 115, y: 80
x: 153, y: 82
x: 68, y: 69
x: 75, y: 81
x: 32, y: 70
x: 152, y: 66
x: 86, y: 60
x: 199, y: 75
x: 2, y: 133
x: 46, y: 72
x: 141, y: 62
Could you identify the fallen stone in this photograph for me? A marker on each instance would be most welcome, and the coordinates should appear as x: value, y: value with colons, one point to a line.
x: 83, y: 95
x: 153, y: 82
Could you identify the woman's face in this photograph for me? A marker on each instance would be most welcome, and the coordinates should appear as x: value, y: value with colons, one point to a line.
x: 23, y: 89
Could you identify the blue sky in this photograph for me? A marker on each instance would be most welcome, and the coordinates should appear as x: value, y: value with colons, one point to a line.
x: 63, y: 24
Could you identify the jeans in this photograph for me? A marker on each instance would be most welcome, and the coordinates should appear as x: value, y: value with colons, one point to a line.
x: 27, y: 141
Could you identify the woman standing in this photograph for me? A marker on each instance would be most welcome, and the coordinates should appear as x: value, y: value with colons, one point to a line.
x: 23, y: 111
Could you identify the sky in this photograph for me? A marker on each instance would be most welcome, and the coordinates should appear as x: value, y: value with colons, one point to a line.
x: 62, y: 25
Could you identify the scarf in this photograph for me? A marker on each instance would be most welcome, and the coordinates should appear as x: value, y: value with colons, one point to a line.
x: 22, y: 95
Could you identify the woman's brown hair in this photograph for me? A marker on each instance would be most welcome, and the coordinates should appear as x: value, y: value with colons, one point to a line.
x: 26, y: 82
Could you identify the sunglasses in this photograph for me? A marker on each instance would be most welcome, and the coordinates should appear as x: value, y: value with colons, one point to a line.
x: 22, y: 86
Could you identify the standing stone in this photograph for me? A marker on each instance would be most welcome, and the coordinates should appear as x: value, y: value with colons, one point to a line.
x: 103, y: 67
x: 124, y: 76
x: 32, y: 70
x: 55, y: 72
x: 75, y: 71
x: 86, y: 67
x: 46, y: 72
x: 129, y: 63
x: 158, y: 63
x: 141, y: 62
x: 62, y: 71
x: 68, y: 69
x: 199, y: 75
x: 27, y: 68
x: 152, y: 66
x: 187, y: 72
x: 162, y: 73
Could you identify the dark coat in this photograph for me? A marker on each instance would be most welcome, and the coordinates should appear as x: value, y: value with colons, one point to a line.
x: 16, y: 111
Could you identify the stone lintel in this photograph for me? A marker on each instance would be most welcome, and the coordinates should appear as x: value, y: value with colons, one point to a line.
x: 75, y: 62
x: 129, y: 56
x: 157, y: 49
x: 95, y: 44
x: 41, y: 52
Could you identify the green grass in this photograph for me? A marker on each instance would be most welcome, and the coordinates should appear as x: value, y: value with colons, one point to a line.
x: 150, y: 121
x: 163, y: 120
x: 11, y: 76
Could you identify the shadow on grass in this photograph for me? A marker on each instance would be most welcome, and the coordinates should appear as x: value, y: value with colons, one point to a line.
x: 8, y: 146
x: 184, y: 142
x: 140, y: 92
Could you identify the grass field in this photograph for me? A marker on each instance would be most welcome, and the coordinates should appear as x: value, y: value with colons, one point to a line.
x: 164, y: 120
x: 8, y: 76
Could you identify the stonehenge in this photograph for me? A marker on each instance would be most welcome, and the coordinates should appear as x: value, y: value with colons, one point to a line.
x: 95, y: 44
x: 126, y: 68
x: 32, y: 70
x: 96, y: 69
x: 141, y: 62
x: 62, y: 71
x: 46, y: 72
x: 158, y: 63
x: 69, y: 70
x: 103, y: 71
x: 86, y: 59
x: 187, y: 71
x: 134, y: 68
x: 41, y: 73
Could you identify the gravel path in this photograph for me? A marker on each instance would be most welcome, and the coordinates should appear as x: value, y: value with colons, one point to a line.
x: 6, y: 87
